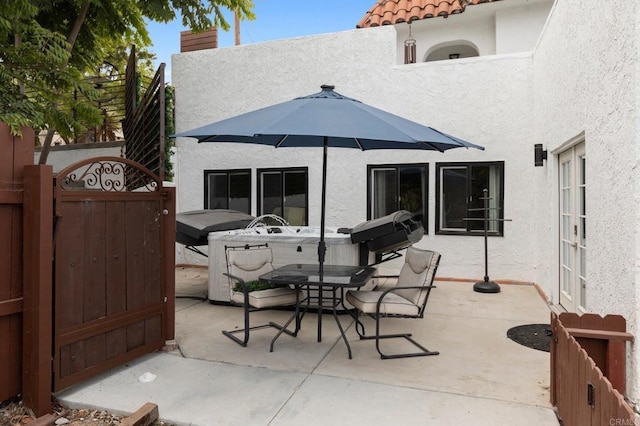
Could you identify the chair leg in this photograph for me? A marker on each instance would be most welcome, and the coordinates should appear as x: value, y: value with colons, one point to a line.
x: 245, y: 330
x: 423, y: 351
x: 283, y: 328
x: 245, y: 340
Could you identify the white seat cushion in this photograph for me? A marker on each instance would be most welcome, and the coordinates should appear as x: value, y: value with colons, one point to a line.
x: 267, y: 298
x: 392, y: 304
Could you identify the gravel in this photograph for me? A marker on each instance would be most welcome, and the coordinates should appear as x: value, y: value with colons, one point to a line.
x: 13, y: 413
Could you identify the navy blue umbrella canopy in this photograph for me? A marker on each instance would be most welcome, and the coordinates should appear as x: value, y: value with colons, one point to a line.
x: 326, y: 119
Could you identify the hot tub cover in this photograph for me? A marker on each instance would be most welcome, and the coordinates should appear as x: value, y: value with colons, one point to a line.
x: 394, y: 231
x: 192, y: 227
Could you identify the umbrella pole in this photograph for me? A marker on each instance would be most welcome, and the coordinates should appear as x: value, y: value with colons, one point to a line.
x: 322, y: 248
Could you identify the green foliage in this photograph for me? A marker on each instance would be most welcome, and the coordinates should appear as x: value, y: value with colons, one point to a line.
x: 169, y: 129
x: 195, y: 13
x: 49, y: 47
x: 255, y: 286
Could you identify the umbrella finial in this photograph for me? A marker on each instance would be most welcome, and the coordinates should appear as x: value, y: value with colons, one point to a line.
x: 327, y: 87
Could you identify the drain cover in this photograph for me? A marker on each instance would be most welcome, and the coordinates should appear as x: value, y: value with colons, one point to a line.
x: 535, y: 336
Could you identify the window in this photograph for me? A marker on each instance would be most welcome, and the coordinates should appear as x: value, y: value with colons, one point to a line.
x: 228, y: 189
x: 283, y: 192
x: 460, y: 197
x: 398, y: 187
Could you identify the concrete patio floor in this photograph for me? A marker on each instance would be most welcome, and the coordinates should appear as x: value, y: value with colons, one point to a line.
x: 480, y: 377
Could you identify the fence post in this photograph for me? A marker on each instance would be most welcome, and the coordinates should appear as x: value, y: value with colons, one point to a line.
x: 38, y: 294
x: 169, y: 261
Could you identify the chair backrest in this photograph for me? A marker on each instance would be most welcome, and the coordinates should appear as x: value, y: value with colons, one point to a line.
x: 248, y: 263
x: 419, y: 269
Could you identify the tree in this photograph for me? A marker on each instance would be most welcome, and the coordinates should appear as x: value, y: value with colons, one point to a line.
x: 50, y: 45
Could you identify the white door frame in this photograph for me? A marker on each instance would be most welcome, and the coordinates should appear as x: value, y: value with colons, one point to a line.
x: 571, y: 224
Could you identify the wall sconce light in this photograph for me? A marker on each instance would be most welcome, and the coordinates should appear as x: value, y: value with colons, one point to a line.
x: 539, y: 155
x: 454, y: 56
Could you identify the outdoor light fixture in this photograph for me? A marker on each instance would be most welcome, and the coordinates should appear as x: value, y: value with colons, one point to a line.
x: 410, y: 49
x: 539, y: 155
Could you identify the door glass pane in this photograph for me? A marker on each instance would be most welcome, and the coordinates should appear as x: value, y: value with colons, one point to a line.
x: 453, y: 199
x: 583, y: 203
x: 295, y: 200
x: 566, y: 232
x: 240, y: 191
x: 582, y: 186
x: 412, y: 190
x: 217, y: 185
x: 271, y: 193
x: 385, y: 192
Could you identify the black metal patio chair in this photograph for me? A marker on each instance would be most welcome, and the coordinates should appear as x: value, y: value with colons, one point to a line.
x: 245, y: 265
x: 407, y: 299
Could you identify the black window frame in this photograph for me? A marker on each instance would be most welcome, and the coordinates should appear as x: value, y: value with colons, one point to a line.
x: 228, y: 172
x: 397, y: 167
x: 501, y: 170
x: 282, y: 171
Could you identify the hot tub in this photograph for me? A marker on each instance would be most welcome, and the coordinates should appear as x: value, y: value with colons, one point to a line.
x: 290, y: 244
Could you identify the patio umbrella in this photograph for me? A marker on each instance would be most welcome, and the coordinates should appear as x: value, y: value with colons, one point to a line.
x: 326, y: 119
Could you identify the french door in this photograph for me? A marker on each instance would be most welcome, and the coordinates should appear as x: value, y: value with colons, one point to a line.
x: 573, y: 239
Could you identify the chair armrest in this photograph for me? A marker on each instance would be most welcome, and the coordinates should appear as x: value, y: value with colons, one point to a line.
x: 382, y: 296
x: 416, y: 287
x: 243, y: 284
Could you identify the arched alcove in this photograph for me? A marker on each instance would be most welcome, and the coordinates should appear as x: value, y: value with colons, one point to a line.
x: 451, y: 50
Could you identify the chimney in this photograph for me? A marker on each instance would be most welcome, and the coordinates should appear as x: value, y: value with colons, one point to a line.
x: 190, y: 42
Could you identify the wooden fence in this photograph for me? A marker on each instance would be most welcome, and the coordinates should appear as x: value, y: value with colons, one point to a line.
x: 16, y: 153
x: 587, y: 370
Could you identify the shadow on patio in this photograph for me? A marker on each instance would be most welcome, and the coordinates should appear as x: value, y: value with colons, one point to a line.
x: 480, y: 377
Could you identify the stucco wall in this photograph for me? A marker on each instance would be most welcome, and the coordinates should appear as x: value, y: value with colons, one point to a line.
x: 586, y: 81
x: 492, y: 28
x: 65, y: 155
x: 484, y: 100
x: 518, y: 28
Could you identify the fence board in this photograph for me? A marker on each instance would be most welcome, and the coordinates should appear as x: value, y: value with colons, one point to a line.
x: 16, y: 154
x: 94, y: 303
x: 574, y: 371
x: 116, y: 261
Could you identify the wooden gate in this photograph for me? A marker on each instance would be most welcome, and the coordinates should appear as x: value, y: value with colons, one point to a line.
x: 582, y: 348
x: 113, y: 267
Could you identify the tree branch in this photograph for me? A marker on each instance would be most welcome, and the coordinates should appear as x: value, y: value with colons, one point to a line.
x: 73, y: 36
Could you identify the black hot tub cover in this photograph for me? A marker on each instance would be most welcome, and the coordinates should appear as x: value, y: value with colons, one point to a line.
x: 192, y: 227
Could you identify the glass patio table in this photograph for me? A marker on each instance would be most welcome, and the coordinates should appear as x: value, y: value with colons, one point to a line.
x: 334, y: 278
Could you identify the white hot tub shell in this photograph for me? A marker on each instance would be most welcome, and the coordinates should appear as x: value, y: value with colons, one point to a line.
x: 289, y: 244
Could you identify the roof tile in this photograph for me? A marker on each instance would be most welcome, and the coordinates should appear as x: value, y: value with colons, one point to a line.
x: 390, y: 12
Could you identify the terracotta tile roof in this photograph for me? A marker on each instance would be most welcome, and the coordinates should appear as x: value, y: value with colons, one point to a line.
x: 389, y: 12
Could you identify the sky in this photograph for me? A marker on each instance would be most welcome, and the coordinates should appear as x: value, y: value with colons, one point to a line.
x: 275, y: 19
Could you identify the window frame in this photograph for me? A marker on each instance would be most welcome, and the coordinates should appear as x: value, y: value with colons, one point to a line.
x: 397, y: 167
x: 282, y: 171
x: 467, y: 164
x: 227, y: 172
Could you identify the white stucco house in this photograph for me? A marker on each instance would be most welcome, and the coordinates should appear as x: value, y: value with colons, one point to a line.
x: 507, y: 75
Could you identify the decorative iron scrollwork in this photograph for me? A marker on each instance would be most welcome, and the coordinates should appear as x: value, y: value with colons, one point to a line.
x: 108, y: 174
